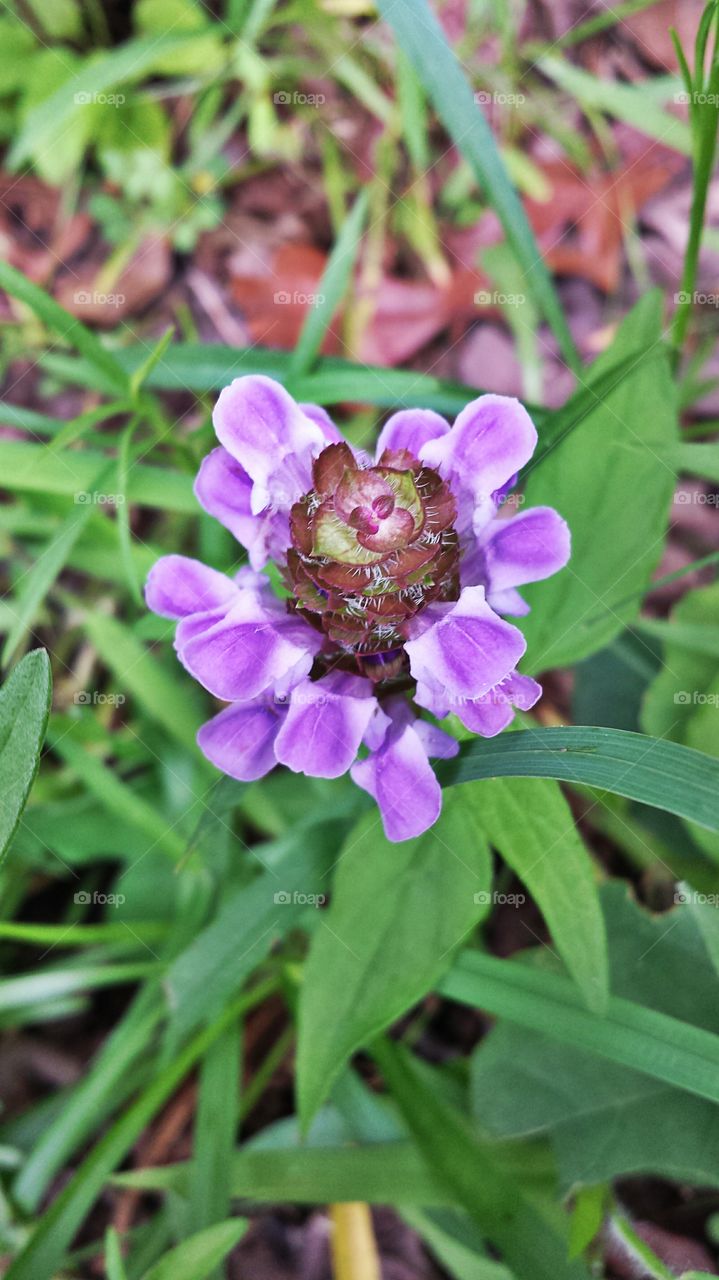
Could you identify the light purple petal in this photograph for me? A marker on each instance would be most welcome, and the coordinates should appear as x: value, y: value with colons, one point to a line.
x: 524, y: 690
x: 263, y: 428
x: 466, y: 649
x: 400, y: 778
x: 324, y: 726
x: 240, y: 740
x: 224, y: 489
x: 178, y: 586
x: 491, y: 439
x: 492, y: 712
x: 485, y: 716
x: 316, y: 413
x: 436, y: 742
x: 411, y: 429
x: 525, y: 548
x: 510, y: 602
x: 249, y: 650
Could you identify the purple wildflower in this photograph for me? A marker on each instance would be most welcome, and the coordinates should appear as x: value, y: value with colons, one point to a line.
x: 397, y: 571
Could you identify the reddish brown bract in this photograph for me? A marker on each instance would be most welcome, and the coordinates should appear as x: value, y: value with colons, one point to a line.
x: 371, y: 547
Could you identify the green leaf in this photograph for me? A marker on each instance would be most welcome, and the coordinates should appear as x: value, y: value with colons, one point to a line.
x: 631, y: 103
x: 417, y: 899
x: 48, y: 564
x: 593, y: 478
x: 167, y: 698
x: 391, y: 1173
x: 214, y: 1132
x: 126, y: 62
x: 69, y: 328
x: 530, y: 823
x: 114, y: 1264
x: 651, y: 770
x: 24, y: 709
x: 534, y: 1247
x: 422, y: 40
x: 220, y: 958
x: 52, y: 1234
x: 117, y: 796
x: 198, y: 1256
x: 681, y: 702
x: 660, y: 1046
x: 34, y: 468
x: 604, y: 1119
x: 209, y: 367
x: 331, y: 288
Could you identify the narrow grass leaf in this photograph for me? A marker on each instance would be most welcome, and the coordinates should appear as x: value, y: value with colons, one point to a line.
x: 199, y: 1255
x: 331, y: 288
x: 422, y: 40
x: 534, y: 1247
x: 648, y: 1041
x: 24, y: 709
x: 651, y: 770
x: 69, y: 328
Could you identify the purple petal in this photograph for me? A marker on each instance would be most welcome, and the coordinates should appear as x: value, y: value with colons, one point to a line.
x: 224, y: 489
x: 263, y: 428
x: 317, y: 414
x: 178, y: 586
x: 526, y: 548
x: 325, y: 724
x: 240, y: 740
x: 492, y: 438
x: 400, y: 778
x: 436, y: 742
x: 492, y: 712
x: 411, y: 429
x: 510, y: 602
x: 251, y: 649
x: 466, y: 649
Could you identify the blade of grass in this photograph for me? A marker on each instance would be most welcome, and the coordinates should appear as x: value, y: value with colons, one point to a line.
x: 44, y: 1251
x: 652, y: 1043
x: 33, y: 468
x: 214, y: 1135
x: 24, y: 709
x: 651, y: 770
x: 69, y: 328
x: 421, y: 38
x: 331, y: 288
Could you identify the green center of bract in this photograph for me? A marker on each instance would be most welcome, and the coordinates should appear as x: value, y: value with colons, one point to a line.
x: 371, y: 547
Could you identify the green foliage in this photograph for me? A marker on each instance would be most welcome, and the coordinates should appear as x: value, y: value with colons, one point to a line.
x: 136, y: 881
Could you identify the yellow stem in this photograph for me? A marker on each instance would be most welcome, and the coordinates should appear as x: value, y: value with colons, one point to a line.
x: 354, y: 1251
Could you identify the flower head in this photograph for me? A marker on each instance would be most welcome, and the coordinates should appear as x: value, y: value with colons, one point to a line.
x: 397, y: 571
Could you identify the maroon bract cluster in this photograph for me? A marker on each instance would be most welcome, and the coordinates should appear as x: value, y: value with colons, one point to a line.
x: 371, y: 547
